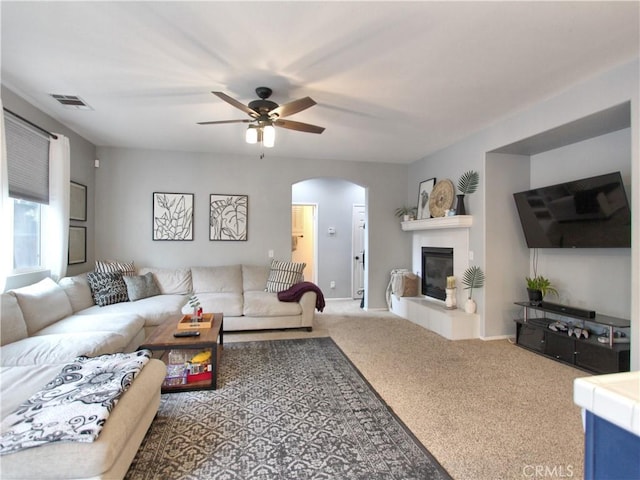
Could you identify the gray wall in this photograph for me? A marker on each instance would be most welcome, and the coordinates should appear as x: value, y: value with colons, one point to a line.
x: 335, y: 199
x: 611, y: 88
x: 82, y: 171
x: 127, y: 179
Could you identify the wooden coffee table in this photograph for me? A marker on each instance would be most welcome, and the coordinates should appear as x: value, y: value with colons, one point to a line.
x: 161, y: 341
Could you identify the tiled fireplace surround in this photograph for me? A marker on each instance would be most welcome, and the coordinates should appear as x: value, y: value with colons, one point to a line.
x: 447, y: 232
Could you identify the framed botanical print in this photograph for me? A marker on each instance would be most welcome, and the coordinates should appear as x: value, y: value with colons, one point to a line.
x: 172, y: 216
x: 228, y: 217
x: 424, y: 192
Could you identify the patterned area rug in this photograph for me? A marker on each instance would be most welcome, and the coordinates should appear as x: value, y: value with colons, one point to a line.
x: 284, y: 409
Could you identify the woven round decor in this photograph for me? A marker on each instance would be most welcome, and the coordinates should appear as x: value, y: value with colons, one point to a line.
x: 441, y: 198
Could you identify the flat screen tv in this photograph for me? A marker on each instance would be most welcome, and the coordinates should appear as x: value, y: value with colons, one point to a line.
x: 588, y: 213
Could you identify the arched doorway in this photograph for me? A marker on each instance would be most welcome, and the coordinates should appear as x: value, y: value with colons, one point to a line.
x: 331, y: 201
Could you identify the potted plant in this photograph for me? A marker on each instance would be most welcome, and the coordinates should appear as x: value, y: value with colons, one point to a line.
x: 406, y: 213
x: 194, y: 303
x: 473, y: 278
x: 537, y: 287
x: 467, y: 184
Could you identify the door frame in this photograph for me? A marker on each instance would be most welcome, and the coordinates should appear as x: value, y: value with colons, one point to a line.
x: 315, y: 237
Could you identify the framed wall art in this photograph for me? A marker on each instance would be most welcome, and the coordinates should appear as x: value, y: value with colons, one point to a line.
x: 77, y: 245
x: 424, y: 192
x: 77, y: 202
x: 172, y: 216
x: 228, y: 217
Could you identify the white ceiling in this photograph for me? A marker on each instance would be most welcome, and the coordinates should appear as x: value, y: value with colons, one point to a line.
x: 394, y: 81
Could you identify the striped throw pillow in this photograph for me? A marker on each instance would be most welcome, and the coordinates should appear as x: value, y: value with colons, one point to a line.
x: 283, y: 275
x: 114, y: 266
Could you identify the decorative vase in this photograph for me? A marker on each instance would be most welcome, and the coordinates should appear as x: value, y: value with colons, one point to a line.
x: 470, y: 306
x: 535, y: 296
x: 450, y: 301
x: 460, y: 209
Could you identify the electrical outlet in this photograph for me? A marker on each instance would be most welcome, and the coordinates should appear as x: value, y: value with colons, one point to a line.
x: 270, y: 253
x: 332, y: 284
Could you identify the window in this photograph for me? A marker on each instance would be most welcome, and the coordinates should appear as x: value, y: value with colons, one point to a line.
x: 27, y: 253
x: 28, y: 172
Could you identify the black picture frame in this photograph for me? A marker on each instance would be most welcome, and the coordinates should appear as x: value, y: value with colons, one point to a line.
x: 77, y: 252
x: 228, y: 217
x: 424, y: 192
x: 172, y: 216
x: 77, y: 202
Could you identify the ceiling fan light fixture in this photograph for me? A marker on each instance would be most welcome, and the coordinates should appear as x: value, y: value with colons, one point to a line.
x: 251, y: 136
x: 269, y: 136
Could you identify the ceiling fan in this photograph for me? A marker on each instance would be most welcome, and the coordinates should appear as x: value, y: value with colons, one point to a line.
x: 266, y: 114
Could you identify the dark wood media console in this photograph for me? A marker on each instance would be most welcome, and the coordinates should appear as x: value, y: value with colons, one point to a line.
x: 585, y: 353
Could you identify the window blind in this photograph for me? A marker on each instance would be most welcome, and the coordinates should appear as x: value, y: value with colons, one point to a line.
x: 27, y: 161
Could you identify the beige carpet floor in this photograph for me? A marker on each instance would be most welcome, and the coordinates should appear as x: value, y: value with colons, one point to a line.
x: 484, y: 409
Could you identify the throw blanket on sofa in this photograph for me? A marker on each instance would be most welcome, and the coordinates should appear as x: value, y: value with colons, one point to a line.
x: 295, y: 292
x: 73, y: 406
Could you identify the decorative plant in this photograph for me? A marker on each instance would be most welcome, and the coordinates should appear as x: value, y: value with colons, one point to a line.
x: 194, y: 303
x: 538, y: 282
x: 468, y: 182
x: 409, y: 211
x: 473, y: 278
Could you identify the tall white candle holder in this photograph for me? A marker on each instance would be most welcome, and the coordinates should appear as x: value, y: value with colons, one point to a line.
x: 450, y: 301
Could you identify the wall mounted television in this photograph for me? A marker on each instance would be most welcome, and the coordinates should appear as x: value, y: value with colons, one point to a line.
x: 587, y: 213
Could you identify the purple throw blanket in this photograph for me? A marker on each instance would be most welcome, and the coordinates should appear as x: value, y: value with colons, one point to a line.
x: 295, y: 292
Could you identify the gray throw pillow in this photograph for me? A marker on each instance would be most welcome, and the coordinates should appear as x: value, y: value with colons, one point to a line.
x: 141, y: 286
x: 107, y: 288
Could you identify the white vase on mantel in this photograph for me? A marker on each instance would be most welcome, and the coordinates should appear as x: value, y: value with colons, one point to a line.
x: 470, y: 306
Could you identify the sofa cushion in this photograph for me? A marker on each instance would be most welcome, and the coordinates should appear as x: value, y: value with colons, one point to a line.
x: 42, y: 304
x: 61, y: 347
x: 78, y: 290
x: 225, y: 279
x: 171, y: 281
x: 107, y: 288
x: 254, y: 277
x: 115, y: 266
x: 141, y: 286
x: 12, y: 324
x: 266, y: 304
x: 127, y: 325
x: 154, y: 310
x: 230, y: 304
x: 284, y: 274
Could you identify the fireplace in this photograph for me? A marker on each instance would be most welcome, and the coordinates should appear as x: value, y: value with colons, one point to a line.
x: 437, y: 265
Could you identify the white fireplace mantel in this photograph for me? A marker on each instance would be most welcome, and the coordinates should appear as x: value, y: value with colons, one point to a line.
x: 456, y: 221
x: 448, y: 232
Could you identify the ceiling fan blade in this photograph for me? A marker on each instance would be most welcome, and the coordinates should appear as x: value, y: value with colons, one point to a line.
x: 293, y: 107
x: 225, y: 121
x: 299, y: 126
x: 236, y: 103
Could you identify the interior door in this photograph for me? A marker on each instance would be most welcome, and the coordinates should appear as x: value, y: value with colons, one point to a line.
x: 357, y: 265
x: 303, y: 239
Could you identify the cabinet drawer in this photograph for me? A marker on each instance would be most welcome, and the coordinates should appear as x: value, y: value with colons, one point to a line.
x: 531, y: 337
x: 560, y: 347
x: 601, y: 360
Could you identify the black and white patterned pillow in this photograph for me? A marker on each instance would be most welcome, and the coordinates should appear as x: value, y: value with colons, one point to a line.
x: 115, y: 266
x: 107, y: 288
x: 283, y: 275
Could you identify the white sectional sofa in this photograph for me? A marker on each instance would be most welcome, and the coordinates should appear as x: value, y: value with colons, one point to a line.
x: 46, y: 325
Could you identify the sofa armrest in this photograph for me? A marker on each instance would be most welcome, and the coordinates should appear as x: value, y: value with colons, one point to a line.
x: 308, y: 304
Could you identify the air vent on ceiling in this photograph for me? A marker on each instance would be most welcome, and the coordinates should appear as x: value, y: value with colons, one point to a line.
x: 71, y: 101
